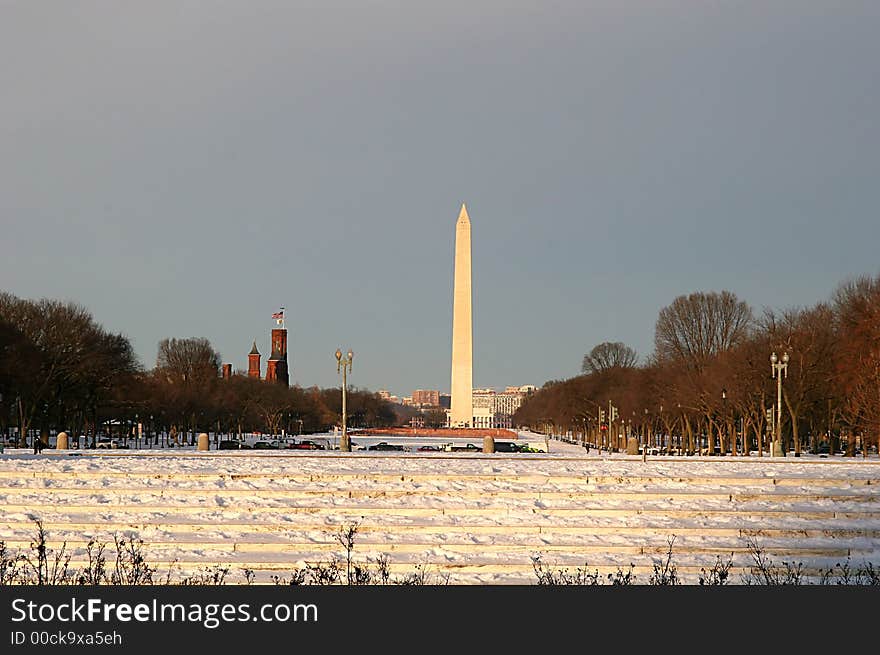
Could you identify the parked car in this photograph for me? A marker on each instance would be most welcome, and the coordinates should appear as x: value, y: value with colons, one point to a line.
x: 232, y: 444
x: 470, y: 448
x: 306, y: 444
x: 428, y: 448
x: 106, y: 442
x: 266, y: 445
x: 384, y: 445
x: 507, y: 447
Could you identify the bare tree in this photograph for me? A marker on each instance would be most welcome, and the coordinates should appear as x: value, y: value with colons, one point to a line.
x: 857, y: 304
x: 62, y: 358
x: 609, y: 355
x: 697, y: 327
x: 189, y: 361
x: 692, y: 337
x: 271, y: 402
x: 750, y: 387
x: 187, y: 371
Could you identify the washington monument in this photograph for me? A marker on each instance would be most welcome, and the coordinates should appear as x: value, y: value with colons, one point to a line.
x: 462, y: 404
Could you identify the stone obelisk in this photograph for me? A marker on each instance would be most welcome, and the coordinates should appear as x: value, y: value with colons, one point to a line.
x: 462, y: 404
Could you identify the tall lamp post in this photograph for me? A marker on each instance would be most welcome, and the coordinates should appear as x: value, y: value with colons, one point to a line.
x: 343, y: 365
x: 726, y: 424
x: 780, y: 370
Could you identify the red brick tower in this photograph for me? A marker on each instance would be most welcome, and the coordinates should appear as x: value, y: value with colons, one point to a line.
x: 276, y: 366
x: 254, y: 362
x: 227, y: 371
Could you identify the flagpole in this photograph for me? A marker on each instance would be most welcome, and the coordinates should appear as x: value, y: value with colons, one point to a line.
x: 282, y: 318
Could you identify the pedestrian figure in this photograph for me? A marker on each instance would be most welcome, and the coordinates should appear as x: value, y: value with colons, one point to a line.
x: 38, y: 446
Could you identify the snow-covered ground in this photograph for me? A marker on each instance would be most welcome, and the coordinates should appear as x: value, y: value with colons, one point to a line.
x: 478, y: 518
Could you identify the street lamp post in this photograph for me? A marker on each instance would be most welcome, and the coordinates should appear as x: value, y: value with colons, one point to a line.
x: 780, y: 370
x: 343, y: 365
x: 726, y: 428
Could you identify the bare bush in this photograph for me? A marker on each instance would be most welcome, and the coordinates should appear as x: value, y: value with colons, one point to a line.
x: 210, y: 575
x: 550, y: 577
x: 764, y: 572
x: 131, y: 564
x: 665, y: 572
x: 718, y: 575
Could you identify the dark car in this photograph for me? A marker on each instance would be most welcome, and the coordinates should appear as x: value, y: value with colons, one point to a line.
x: 384, y: 445
x: 507, y: 447
x: 232, y: 444
x: 470, y: 448
x: 266, y: 445
x: 306, y: 445
x: 432, y: 449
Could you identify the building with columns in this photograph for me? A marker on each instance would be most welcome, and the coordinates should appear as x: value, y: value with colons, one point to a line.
x: 495, y: 409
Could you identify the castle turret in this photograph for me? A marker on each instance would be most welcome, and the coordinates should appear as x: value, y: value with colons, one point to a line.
x: 276, y: 366
x: 254, y: 362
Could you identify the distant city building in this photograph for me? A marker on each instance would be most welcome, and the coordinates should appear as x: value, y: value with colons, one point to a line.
x: 493, y: 409
x: 483, y: 408
x: 445, y: 401
x: 384, y: 394
x: 426, y: 398
x: 506, y: 404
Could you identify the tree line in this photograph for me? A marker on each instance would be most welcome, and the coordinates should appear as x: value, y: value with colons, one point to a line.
x: 709, y: 386
x: 61, y: 370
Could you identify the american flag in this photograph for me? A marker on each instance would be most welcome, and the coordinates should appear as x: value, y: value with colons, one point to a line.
x: 278, y: 314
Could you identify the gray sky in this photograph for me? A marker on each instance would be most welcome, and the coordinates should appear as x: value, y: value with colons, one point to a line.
x: 186, y: 168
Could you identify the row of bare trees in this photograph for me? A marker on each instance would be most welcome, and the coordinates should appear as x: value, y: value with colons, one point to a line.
x: 60, y: 369
x: 185, y: 394
x: 57, y: 364
x: 708, y: 383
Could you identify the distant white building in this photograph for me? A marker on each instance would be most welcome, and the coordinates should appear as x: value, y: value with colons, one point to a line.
x: 493, y: 409
x: 384, y: 394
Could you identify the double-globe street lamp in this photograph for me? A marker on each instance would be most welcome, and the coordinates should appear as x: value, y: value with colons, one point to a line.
x: 780, y: 370
x: 343, y: 365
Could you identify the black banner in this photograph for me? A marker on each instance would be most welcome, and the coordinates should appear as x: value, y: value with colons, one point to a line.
x: 231, y: 618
